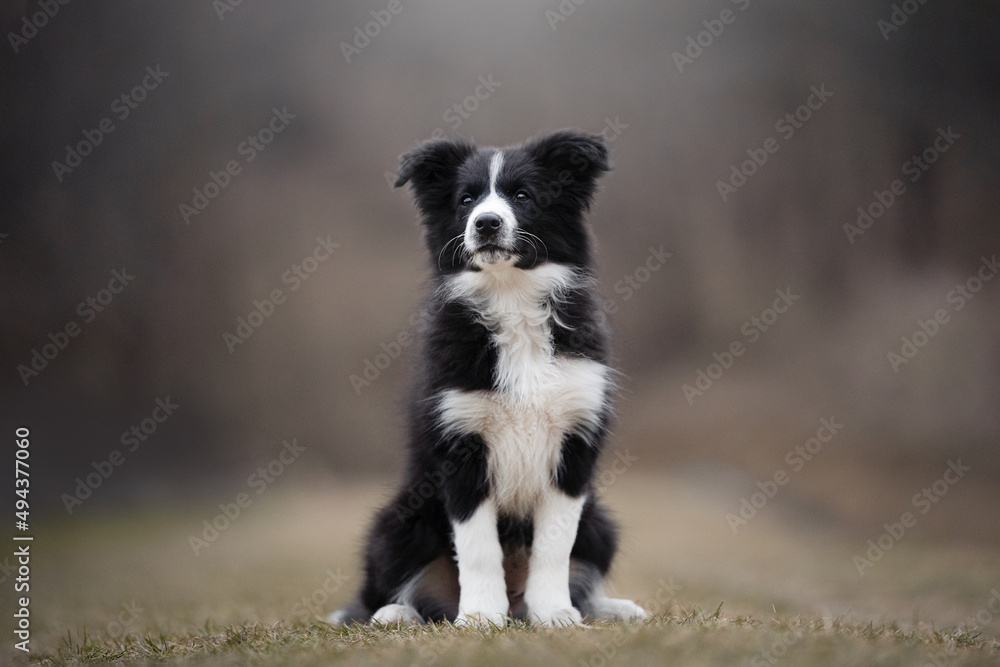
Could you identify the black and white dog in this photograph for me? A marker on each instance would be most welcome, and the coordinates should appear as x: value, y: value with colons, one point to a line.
x: 496, y: 516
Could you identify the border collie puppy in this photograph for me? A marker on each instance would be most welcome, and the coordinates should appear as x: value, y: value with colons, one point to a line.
x: 496, y: 516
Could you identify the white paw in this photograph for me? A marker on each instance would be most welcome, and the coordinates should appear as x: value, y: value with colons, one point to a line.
x: 481, y: 619
x: 625, y: 610
x: 394, y: 614
x: 556, y: 618
x: 338, y: 617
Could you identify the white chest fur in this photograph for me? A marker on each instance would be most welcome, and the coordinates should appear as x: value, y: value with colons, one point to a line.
x: 540, y: 396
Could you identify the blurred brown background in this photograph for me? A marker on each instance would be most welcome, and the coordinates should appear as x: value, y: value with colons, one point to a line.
x: 500, y: 72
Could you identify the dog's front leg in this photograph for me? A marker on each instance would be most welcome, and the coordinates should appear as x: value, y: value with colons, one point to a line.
x: 547, y: 589
x: 483, y: 590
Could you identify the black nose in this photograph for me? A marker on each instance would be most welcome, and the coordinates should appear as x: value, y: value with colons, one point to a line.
x: 488, y: 221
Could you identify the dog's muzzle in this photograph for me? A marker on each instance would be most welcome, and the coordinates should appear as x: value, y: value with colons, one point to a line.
x: 490, y: 239
x: 488, y: 226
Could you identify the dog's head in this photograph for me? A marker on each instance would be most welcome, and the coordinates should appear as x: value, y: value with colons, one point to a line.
x: 487, y: 208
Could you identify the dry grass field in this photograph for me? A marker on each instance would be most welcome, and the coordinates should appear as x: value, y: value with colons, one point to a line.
x: 127, y: 588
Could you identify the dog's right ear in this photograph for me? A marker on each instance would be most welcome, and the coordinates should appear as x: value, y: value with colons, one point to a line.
x: 430, y: 169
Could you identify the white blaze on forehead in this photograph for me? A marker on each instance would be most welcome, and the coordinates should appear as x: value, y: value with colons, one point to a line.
x: 496, y: 163
x: 493, y: 203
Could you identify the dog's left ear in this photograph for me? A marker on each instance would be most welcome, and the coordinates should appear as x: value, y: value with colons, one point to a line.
x: 432, y: 160
x: 430, y: 169
x: 580, y: 154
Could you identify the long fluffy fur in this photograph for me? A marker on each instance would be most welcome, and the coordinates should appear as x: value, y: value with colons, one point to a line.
x: 512, y: 402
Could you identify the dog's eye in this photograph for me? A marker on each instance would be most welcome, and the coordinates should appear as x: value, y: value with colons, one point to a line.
x: 467, y: 200
x: 521, y: 196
